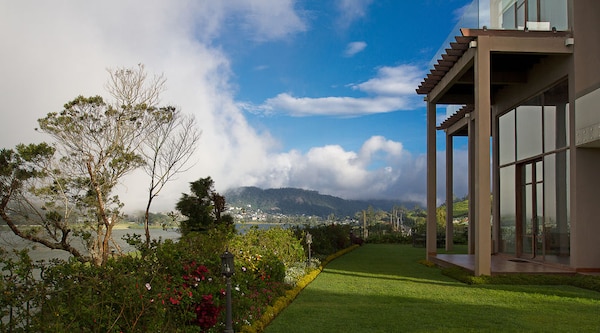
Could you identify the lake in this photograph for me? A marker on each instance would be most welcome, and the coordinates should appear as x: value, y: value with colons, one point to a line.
x: 9, y: 241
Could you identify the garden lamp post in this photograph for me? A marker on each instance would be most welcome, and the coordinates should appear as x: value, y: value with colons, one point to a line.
x: 309, y: 242
x: 227, y: 269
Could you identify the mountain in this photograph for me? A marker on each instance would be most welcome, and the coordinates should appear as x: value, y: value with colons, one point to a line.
x: 294, y: 201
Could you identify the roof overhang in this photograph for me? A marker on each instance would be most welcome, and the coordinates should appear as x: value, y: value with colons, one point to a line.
x: 512, y: 54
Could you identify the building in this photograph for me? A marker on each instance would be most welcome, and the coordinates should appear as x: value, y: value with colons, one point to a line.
x: 526, y: 74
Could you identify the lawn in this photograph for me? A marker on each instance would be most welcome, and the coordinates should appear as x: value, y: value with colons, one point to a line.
x: 383, y: 288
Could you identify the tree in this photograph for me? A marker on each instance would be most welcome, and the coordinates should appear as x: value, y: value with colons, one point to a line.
x: 99, y: 144
x: 203, y: 207
x: 167, y: 152
x: 32, y: 188
x: 95, y: 144
x: 168, y: 148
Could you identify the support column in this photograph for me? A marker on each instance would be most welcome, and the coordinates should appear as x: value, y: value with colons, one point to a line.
x: 431, y: 240
x: 471, y: 180
x: 495, y: 183
x: 482, y: 157
x: 449, y: 192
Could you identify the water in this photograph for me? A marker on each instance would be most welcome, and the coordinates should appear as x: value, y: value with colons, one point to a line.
x: 10, y: 241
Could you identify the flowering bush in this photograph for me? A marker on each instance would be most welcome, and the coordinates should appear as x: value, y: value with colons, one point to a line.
x: 168, y: 286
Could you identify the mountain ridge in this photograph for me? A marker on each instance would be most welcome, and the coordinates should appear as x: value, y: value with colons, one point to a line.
x: 296, y: 201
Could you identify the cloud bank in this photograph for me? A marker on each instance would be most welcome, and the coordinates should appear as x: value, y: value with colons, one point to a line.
x: 60, y: 49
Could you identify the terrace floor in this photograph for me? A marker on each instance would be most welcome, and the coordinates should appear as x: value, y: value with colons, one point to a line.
x: 501, y: 264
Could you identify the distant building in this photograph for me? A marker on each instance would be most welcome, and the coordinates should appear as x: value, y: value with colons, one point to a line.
x: 527, y: 76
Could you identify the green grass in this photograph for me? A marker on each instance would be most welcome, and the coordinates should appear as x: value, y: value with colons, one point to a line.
x: 383, y: 288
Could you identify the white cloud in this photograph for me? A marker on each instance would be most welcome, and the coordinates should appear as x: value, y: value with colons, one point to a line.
x: 330, y: 106
x: 354, y: 48
x: 380, y: 169
x: 266, y: 19
x: 393, y: 81
x: 60, y: 49
x: 56, y: 50
x: 351, y: 10
x: 392, y: 89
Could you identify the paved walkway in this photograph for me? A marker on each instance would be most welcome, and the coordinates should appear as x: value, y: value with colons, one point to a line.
x: 503, y: 264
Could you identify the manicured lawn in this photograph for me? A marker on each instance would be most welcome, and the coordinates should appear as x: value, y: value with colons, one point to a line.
x: 382, y: 288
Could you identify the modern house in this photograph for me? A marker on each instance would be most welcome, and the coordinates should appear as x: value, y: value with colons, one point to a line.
x: 526, y: 75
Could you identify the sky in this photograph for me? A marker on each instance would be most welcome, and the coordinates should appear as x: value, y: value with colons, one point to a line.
x: 311, y: 94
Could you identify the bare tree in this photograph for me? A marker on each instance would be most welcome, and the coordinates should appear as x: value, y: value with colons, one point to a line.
x: 131, y: 86
x: 167, y: 152
x: 166, y: 149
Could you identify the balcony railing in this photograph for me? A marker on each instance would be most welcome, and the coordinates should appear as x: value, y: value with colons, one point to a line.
x: 510, y: 15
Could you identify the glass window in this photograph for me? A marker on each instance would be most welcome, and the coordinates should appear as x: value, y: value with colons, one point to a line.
x: 556, y: 201
x: 532, y: 10
x: 539, y: 128
x: 556, y: 123
x: 506, y: 140
x: 550, y: 128
x: 508, y: 17
x: 520, y: 14
x: 529, y: 131
x: 550, y: 191
x: 507, y: 209
x: 555, y: 12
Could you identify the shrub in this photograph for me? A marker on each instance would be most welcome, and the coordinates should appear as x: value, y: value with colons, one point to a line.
x: 389, y: 238
x: 255, y: 244
x: 326, y: 239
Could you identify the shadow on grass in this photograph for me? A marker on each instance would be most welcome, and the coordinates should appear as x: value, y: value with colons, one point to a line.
x: 383, y: 288
x: 398, y: 278
x: 476, y: 311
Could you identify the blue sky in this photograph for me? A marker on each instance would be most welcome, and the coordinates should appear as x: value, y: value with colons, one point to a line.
x: 312, y: 94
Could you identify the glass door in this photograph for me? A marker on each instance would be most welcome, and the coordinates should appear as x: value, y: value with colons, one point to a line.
x: 530, y: 227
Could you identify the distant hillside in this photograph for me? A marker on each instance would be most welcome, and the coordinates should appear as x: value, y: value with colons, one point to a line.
x: 294, y: 201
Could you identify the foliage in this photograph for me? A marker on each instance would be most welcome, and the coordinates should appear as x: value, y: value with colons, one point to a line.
x: 276, y: 241
x: 389, y: 238
x: 326, y: 239
x: 28, y: 175
x: 20, y: 291
x: 203, y: 207
x: 95, y: 144
x: 282, y: 302
x: 168, y: 286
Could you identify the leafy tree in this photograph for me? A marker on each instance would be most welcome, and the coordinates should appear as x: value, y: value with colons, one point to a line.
x: 33, y: 188
x: 203, y: 207
x: 95, y: 144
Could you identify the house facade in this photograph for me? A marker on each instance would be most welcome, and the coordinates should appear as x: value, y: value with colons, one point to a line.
x: 526, y: 75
